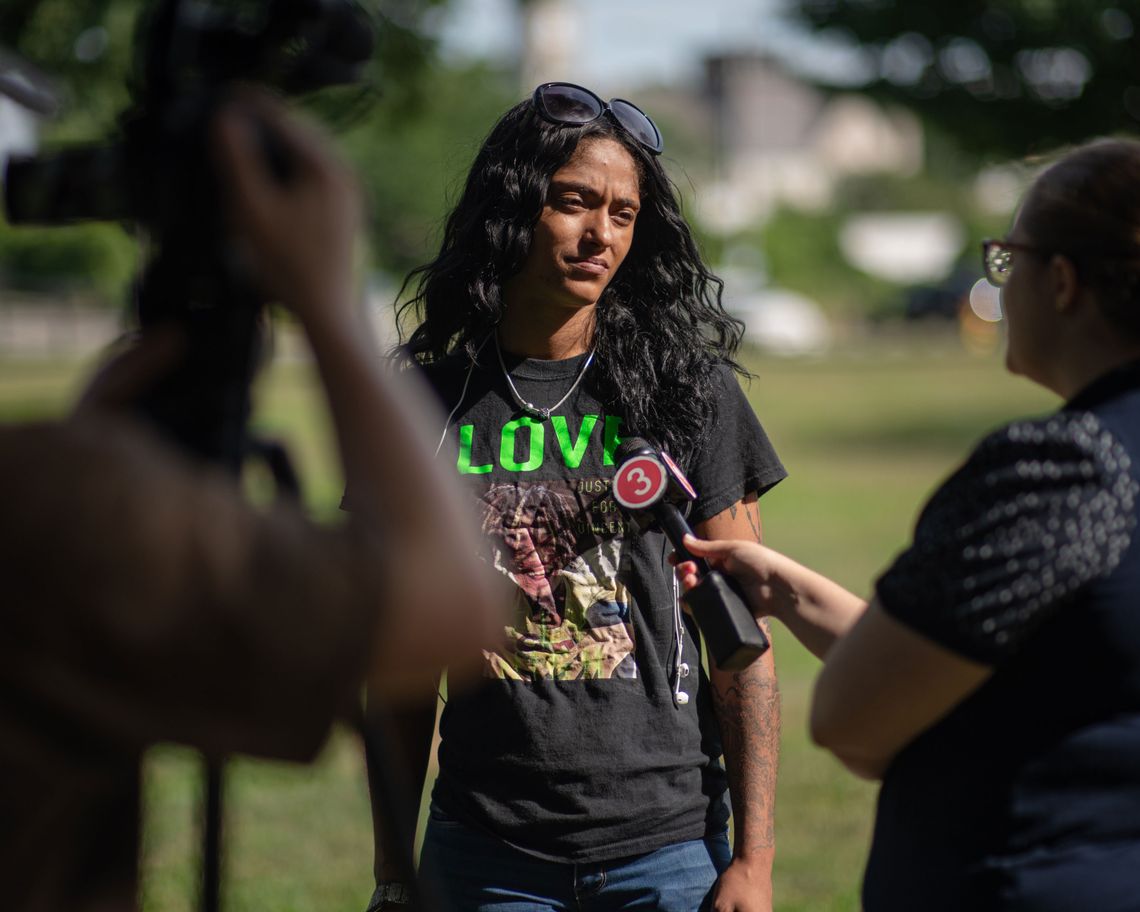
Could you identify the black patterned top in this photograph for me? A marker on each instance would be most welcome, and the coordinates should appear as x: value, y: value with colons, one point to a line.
x: 1040, y: 510
x: 1027, y: 794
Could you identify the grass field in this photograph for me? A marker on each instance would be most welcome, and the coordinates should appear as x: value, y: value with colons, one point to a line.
x: 865, y: 433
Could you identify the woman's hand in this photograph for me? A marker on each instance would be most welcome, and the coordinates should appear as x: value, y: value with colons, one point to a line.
x: 816, y: 609
x: 752, y: 565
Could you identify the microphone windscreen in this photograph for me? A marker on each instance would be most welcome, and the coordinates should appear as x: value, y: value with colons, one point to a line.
x: 631, y: 446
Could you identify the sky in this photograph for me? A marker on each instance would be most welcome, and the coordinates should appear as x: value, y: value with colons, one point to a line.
x: 638, y: 42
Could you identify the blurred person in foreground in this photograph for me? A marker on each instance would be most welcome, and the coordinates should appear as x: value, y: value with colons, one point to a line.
x: 567, y: 309
x: 146, y: 601
x: 993, y: 682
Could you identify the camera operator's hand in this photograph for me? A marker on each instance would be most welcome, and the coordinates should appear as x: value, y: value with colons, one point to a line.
x: 298, y: 229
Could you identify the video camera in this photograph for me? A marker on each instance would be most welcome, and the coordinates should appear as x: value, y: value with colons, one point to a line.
x: 157, y: 174
x: 190, y: 53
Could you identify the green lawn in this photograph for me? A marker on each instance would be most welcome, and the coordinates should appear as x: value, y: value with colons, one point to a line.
x: 865, y: 433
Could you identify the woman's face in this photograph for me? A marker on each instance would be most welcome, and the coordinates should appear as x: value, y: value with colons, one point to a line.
x: 585, y: 229
x: 1029, y: 307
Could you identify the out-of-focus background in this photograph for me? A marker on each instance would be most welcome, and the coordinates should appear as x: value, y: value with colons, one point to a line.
x: 840, y: 161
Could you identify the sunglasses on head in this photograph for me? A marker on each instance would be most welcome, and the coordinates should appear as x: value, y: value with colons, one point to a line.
x: 566, y: 103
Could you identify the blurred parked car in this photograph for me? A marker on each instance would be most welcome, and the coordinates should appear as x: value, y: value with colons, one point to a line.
x: 780, y: 321
x: 944, y: 299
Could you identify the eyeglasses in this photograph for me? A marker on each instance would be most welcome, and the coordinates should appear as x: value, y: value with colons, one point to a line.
x: 997, y: 259
x: 566, y: 103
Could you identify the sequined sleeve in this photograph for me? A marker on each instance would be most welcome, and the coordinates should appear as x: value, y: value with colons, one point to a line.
x: 1041, y: 509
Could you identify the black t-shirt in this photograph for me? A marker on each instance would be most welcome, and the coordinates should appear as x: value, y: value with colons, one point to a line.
x: 575, y: 746
x: 1027, y: 795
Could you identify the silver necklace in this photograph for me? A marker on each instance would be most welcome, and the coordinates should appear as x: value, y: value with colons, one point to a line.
x: 529, y: 407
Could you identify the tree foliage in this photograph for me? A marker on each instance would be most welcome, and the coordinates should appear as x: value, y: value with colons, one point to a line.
x: 85, y: 49
x: 1005, y: 78
x: 412, y: 162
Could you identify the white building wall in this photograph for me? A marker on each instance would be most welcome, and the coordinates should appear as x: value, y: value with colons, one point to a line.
x: 18, y: 131
x: 551, y: 31
x: 781, y: 141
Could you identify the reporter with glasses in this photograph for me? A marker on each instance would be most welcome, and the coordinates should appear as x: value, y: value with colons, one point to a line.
x: 568, y: 308
x: 993, y: 681
x: 146, y: 600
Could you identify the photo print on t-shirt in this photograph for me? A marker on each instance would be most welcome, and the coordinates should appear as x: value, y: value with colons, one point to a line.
x: 560, y: 542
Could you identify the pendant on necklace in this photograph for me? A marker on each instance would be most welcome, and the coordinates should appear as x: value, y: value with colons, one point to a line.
x: 529, y: 407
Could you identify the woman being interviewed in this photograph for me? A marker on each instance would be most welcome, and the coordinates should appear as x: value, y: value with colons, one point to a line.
x: 994, y: 681
x: 568, y: 309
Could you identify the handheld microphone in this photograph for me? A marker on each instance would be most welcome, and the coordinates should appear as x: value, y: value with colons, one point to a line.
x: 647, y: 481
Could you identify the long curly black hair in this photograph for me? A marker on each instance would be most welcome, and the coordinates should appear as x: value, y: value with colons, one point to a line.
x: 660, y: 325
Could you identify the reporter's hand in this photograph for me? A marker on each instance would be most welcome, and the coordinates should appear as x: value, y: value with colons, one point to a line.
x: 299, y: 235
x: 816, y: 609
x: 754, y: 566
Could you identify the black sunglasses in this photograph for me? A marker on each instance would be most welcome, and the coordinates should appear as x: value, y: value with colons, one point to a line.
x: 997, y: 258
x: 566, y: 103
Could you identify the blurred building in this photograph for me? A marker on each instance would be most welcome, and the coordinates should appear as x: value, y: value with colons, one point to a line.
x: 550, y: 32
x: 779, y: 140
x: 18, y: 130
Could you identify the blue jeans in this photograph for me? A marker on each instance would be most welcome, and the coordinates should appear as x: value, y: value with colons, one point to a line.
x: 472, y: 871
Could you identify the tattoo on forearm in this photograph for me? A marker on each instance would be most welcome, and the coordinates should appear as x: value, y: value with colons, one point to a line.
x: 748, y: 709
x: 753, y: 514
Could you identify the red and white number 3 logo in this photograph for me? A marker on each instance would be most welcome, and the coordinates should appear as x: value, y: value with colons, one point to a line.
x: 640, y: 482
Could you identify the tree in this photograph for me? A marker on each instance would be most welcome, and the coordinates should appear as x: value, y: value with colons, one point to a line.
x: 84, y: 46
x: 412, y: 162
x: 1004, y: 78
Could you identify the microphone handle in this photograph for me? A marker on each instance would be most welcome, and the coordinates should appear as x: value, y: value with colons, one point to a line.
x: 734, y: 638
x: 676, y: 528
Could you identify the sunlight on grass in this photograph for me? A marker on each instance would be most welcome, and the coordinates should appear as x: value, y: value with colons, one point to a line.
x: 866, y: 435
